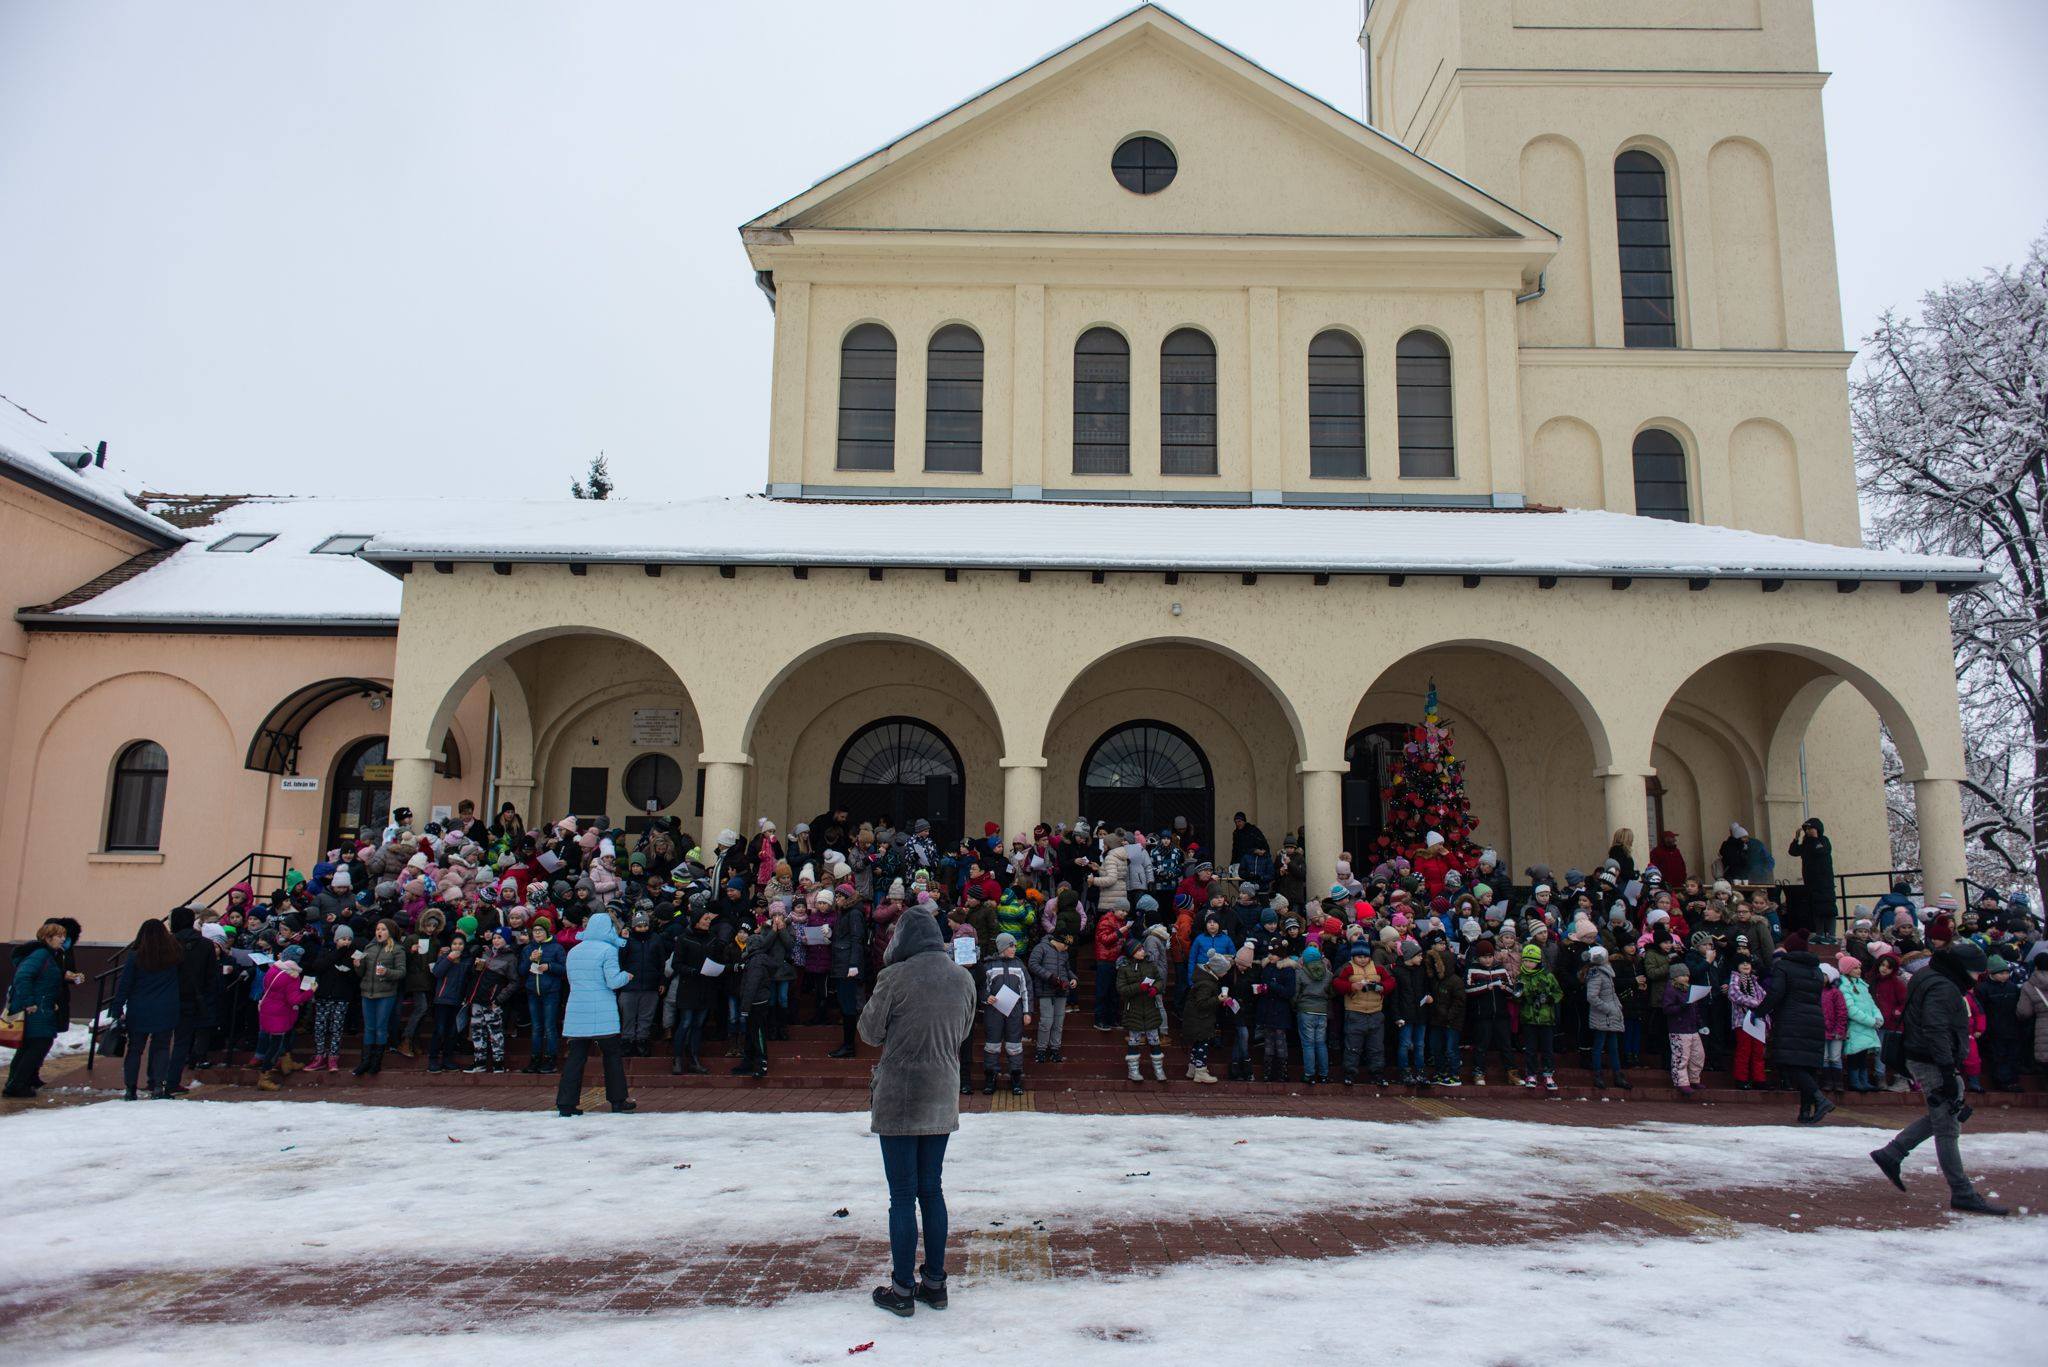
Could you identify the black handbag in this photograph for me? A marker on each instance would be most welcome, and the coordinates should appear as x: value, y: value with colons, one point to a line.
x: 114, y: 1039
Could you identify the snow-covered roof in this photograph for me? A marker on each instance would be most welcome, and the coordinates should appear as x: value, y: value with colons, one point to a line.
x: 287, y: 582
x: 1007, y: 534
x: 36, y: 452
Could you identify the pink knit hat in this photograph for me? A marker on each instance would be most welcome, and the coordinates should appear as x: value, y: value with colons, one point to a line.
x: 1847, y: 962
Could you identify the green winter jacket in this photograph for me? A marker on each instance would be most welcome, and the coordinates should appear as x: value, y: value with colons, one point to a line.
x: 1141, y: 1008
x: 1541, y: 992
x: 1018, y: 919
x: 1864, y: 1016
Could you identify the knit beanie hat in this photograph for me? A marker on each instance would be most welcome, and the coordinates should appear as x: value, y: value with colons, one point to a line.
x: 1532, y: 954
x: 467, y: 925
x: 1006, y: 941
x: 1410, y: 949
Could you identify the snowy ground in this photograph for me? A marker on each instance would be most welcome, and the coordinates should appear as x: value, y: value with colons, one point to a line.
x: 197, y: 1186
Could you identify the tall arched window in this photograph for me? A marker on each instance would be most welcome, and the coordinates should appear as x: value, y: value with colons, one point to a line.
x: 1422, y: 386
x: 1102, y: 403
x: 867, y: 399
x: 901, y: 769
x: 1642, y: 225
x: 952, y: 401
x: 1661, y: 485
x: 135, y: 813
x: 1336, y: 406
x: 1187, y: 404
x: 1143, y: 774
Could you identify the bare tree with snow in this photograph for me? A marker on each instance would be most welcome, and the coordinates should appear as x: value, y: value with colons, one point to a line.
x: 1951, y: 426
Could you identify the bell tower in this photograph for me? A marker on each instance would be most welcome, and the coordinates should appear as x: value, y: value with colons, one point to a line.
x: 1603, y: 118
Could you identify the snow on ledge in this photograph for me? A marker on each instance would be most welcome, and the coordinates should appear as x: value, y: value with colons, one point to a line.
x: 1061, y: 535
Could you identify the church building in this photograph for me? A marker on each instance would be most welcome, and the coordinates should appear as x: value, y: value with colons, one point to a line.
x: 1148, y: 436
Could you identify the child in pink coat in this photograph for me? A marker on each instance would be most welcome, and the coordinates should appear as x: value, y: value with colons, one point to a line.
x: 277, y: 1012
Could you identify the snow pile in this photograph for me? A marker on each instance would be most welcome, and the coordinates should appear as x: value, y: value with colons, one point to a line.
x: 133, y: 1175
x: 72, y: 1041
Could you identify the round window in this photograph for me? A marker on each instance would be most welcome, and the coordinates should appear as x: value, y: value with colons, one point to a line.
x: 653, y: 782
x: 1144, y: 166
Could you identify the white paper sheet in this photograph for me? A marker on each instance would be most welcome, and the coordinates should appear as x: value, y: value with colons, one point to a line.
x: 1007, y: 999
x: 1698, y: 994
x: 1753, y: 1027
x: 712, y: 968
x: 817, y: 935
x: 966, y: 951
x: 551, y: 861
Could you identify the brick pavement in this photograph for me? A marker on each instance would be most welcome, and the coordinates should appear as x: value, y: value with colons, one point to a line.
x: 444, y: 1297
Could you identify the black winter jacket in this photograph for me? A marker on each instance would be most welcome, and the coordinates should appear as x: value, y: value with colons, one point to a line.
x: 1792, y: 1002
x: 1937, y: 1019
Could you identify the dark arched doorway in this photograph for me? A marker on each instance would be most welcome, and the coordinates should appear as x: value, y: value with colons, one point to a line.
x: 1370, y: 754
x: 1143, y: 774
x: 901, y: 769
x: 361, y: 791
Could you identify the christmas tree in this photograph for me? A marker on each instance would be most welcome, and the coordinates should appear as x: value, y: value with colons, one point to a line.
x: 1427, y: 793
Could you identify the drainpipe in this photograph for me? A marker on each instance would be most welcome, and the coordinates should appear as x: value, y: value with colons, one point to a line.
x: 1534, y: 294
x: 765, y: 282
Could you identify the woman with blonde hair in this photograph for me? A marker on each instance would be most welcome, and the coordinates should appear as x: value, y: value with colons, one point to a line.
x: 1623, y: 853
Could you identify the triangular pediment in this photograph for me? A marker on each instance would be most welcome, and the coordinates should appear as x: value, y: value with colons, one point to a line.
x: 1256, y: 156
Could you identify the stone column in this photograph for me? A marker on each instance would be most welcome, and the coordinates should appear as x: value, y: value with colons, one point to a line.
x: 412, y: 785
x: 1023, y: 792
x: 1938, y: 808
x: 1628, y: 804
x: 725, y: 788
x: 1322, y: 815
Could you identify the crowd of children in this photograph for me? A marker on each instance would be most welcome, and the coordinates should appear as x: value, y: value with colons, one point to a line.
x: 1421, y: 973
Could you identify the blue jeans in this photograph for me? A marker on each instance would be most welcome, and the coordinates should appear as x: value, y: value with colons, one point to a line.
x: 1443, y: 1049
x: 1107, y: 1005
x: 1606, y: 1045
x: 1315, y: 1043
x: 547, y: 1025
x: 690, y: 1030
x: 913, y: 1164
x: 377, y: 1014
x: 1409, y: 1055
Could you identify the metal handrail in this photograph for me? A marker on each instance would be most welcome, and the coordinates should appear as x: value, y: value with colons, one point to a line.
x: 253, y: 869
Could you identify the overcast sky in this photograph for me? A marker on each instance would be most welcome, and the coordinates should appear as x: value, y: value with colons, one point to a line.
x: 283, y: 247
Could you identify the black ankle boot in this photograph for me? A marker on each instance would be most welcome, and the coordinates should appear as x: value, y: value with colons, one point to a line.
x: 988, y: 1082
x: 1016, y: 1083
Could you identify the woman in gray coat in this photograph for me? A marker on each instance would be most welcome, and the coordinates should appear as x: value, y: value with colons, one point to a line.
x: 921, y: 1013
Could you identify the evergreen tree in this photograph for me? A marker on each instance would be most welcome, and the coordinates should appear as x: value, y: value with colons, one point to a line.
x: 1427, y: 793
x: 596, y: 484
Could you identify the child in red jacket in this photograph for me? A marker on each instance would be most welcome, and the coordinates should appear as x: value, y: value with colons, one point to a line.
x: 1834, y: 1019
x: 1109, y: 947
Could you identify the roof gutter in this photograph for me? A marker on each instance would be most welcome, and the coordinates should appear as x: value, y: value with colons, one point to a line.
x: 399, y: 562
x: 203, y: 626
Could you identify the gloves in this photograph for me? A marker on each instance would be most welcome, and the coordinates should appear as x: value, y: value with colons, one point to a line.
x: 1149, y: 988
x: 1951, y: 1086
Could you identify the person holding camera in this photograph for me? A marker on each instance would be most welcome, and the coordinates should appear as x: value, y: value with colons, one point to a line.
x: 1937, y: 1040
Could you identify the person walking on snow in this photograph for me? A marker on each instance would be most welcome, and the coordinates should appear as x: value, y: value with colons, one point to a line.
x: 1937, y: 1037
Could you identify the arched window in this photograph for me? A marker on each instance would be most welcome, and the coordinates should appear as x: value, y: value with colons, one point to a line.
x: 1102, y: 403
x: 1187, y: 404
x: 867, y: 399
x: 952, y: 401
x: 901, y: 769
x: 1422, y: 386
x: 1336, y: 406
x: 1642, y: 225
x: 450, y: 763
x: 135, y: 814
x: 1143, y: 774
x: 1661, y: 485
